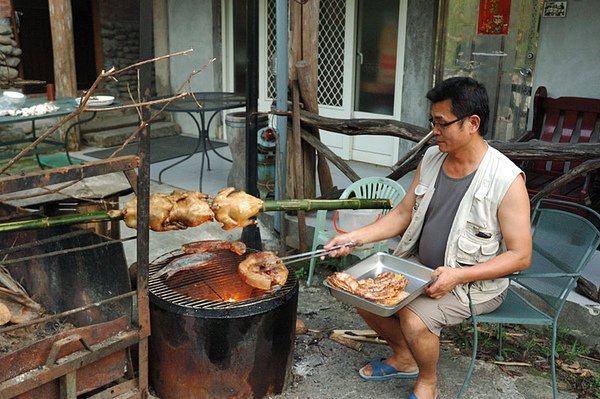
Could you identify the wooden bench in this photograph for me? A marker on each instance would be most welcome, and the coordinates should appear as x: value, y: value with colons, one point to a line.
x: 562, y: 120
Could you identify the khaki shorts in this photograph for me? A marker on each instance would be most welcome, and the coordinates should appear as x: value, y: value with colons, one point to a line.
x: 448, y: 310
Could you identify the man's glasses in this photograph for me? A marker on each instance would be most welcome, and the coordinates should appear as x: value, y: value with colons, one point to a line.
x: 433, y: 124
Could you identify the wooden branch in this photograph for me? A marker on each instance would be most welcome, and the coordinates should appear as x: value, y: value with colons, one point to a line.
x: 533, y: 149
x: 587, y: 166
x: 413, y: 151
x: 356, y: 127
x: 350, y: 343
x: 330, y: 155
x: 298, y: 169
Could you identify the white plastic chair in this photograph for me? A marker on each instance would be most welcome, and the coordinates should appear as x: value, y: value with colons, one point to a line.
x: 369, y: 187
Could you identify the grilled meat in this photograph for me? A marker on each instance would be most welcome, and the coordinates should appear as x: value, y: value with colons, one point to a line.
x: 214, y: 245
x: 386, y: 288
x: 255, y: 272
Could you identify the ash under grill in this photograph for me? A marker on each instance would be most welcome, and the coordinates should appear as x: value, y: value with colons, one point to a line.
x: 215, y: 286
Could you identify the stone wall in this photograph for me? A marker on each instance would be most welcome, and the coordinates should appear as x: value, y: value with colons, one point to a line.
x: 120, y: 42
x: 9, y: 52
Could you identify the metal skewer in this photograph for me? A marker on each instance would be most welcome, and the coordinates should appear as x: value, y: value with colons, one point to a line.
x: 303, y: 256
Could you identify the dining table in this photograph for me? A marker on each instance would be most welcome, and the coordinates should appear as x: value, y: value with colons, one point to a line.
x: 197, y: 105
x: 64, y: 106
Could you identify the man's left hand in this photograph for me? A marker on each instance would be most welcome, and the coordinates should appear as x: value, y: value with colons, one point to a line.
x: 446, y: 278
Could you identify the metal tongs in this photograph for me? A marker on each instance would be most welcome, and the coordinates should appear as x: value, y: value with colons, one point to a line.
x: 303, y: 256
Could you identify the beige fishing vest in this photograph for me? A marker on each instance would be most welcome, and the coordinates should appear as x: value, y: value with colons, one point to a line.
x: 477, y: 213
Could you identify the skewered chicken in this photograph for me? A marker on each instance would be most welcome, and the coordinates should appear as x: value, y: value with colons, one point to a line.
x: 176, y: 211
x: 385, y: 289
x: 214, y: 245
x: 256, y: 271
x: 235, y: 209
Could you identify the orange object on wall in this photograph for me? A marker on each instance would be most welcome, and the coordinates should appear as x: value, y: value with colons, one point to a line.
x: 494, y: 17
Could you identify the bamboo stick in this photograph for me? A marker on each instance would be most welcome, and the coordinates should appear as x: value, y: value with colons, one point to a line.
x: 319, y: 204
x: 268, y: 206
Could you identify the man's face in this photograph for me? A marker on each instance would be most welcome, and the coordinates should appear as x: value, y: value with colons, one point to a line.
x: 453, y: 136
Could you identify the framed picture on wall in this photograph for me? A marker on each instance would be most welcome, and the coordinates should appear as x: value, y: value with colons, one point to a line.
x: 555, y: 9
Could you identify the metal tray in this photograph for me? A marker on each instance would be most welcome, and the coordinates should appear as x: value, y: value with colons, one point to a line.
x: 418, y: 276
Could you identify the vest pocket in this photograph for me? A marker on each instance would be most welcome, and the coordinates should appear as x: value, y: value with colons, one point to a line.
x: 420, y: 191
x: 472, y: 250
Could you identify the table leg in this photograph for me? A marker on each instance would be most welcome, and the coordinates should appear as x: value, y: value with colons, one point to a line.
x: 208, y: 141
x: 37, y: 156
x: 80, y: 122
x: 189, y: 155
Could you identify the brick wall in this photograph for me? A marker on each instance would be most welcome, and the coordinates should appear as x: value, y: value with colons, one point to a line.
x: 5, y: 8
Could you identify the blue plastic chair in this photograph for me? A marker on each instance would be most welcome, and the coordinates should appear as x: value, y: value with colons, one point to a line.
x: 564, y: 240
x: 369, y: 187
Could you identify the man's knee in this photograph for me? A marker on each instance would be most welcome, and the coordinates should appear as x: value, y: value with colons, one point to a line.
x: 411, y: 323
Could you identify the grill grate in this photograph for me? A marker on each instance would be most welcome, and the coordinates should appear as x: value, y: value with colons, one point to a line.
x: 216, y: 285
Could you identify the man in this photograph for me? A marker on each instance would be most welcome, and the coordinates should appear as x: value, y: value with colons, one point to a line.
x: 466, y: 216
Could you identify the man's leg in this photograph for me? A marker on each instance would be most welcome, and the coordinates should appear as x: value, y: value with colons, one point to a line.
x: 389, y: 329
x: 425, y: 348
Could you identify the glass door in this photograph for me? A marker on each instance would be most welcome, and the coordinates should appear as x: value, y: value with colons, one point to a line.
x: 503, y: 62
x: 376, y: 54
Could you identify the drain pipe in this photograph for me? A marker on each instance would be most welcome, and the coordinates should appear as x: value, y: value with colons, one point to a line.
x: 281, y: 13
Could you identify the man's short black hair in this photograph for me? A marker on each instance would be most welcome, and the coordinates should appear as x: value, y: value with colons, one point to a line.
x: 468, y: 96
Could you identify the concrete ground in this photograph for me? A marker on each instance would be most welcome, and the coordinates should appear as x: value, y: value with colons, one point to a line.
x: 323, y: 368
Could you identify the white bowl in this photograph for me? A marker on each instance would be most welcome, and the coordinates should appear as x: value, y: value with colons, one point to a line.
x: 14, y: 98
x: 97, y: 101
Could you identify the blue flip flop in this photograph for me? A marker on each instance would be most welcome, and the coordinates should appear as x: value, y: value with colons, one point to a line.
x: 412, y: 396
x: 383, y: 371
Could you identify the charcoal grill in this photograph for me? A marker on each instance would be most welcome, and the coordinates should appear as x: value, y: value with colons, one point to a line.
x: 213, y: 336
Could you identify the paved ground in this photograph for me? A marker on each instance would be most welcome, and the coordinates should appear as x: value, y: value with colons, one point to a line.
x: 323, y: 368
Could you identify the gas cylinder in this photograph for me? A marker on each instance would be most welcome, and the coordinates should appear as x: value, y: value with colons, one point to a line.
x: 267, y: 147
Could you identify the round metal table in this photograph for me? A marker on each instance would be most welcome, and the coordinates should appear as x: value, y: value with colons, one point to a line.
x: 200, y: 103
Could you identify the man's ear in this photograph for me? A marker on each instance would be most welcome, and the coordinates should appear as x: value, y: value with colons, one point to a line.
x: 474, y: 122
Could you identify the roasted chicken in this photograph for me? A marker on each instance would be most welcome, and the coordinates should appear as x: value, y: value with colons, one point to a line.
x: 235, y: 209
x: 214, y: 245
x: 257, y: 271
x: 176, y: 211
x: 386, y: 288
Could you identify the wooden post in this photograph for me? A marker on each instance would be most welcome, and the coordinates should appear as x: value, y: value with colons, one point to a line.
x: 295, y: 54
x: 298, y: 167
x: 161, y: 47
x: 308, y: 90
x: 63, y: 51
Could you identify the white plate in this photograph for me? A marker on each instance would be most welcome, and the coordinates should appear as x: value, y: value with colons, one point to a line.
x: 97, y: 101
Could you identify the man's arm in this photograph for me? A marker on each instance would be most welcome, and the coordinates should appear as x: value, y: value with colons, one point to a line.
x: 514, y: 218
x: 390, y: 225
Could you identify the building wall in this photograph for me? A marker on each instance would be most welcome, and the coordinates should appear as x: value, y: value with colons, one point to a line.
x: 191, y: 27
x: 569, y: 52
x: 418, y: 64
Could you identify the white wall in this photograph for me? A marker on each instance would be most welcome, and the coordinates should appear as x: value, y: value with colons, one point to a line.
x: 568, y: 62
x: 191, y: 26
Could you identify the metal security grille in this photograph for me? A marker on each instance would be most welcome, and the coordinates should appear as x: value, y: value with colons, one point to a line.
x: 332, y: 23
x: 271, y: 48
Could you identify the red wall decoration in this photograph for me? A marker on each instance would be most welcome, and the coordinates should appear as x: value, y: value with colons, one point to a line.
x: 494, y: 16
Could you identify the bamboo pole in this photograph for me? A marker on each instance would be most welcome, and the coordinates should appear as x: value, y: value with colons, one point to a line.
x: 268, y: 206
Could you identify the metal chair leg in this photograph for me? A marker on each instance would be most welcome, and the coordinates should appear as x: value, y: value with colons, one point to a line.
x: 472, y: 363
x: 553, y: 361
x: 500, y: 342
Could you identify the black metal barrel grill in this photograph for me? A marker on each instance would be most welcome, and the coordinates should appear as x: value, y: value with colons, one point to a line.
x: 213, y: 336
